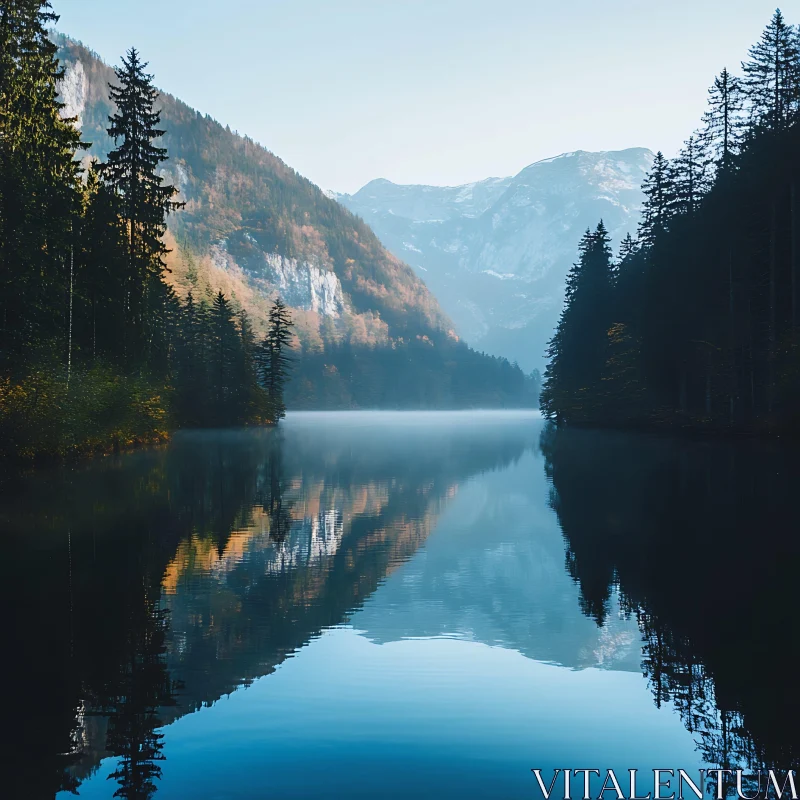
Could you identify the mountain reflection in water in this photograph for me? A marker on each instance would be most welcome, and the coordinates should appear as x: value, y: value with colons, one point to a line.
x: 149, y: 586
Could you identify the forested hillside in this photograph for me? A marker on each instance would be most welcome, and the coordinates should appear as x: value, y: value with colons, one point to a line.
x: 696, y: 324
x: 254, y: 229
x: 144, y: 252
x: 254, y: 224
x: 97, y: 351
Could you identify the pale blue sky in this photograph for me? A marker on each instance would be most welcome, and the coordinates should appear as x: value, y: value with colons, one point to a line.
x: 433, y: 91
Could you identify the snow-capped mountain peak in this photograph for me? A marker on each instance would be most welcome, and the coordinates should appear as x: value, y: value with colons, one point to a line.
x: 468, y: 242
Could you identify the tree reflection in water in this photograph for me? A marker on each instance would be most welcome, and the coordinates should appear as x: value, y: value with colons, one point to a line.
x: 700, y: 540
x: 173, y: 576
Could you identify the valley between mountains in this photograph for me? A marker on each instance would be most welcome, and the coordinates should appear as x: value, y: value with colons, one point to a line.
x: 483, y: 263
x: 496, y: 253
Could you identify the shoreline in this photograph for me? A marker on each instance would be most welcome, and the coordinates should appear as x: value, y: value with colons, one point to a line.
x: 684, y: 433
x: 114, y: 447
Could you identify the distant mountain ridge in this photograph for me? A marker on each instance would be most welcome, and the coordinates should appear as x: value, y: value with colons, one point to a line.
x: 254, y: 227
x: 496, y: 252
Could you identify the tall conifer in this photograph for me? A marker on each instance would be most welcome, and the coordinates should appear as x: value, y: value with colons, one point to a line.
x: 225, y: 347
x: 132, y: 171
x: 275, y: 362
x: 39, y: 195
x: 689, y: 176
x: 772, y: 75
x: 659, y: 192
x: 628, y: 247
x: 722, y: 122
x: 577, y: 351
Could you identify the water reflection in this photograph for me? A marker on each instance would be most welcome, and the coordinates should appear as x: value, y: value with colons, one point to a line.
x: 448, y: 599
x: 152, y: 584
x: 699, y: 540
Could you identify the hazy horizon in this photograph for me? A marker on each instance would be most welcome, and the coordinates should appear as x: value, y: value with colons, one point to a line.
x: 441, y: 93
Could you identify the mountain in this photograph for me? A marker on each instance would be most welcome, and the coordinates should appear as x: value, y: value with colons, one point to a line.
x: 496, y: 252
x: 254, y: 227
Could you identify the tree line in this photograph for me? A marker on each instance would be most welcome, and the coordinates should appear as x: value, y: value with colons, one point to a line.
x: 412, y: 374
x: 696, y: 322
x: 96, y: 349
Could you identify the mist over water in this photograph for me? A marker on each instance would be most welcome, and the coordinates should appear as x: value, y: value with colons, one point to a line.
x: 384, y: 604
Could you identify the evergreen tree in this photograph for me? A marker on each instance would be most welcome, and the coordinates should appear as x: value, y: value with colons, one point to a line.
x: 102, y: 267
x: 706, y: 317
x: 216, y: 367
x: 251, y: 397
x: 145, y: 202
x: 224, y: 352
x: 627, y: 276
x: 722, y: 123
x: 163, y: 314
x: 39, y: 192
x: 190, y: 365
x: 689, y: 176
x: 577, y: 352
x: 772, y: 75
x: 772, y: 86
x: 659, y: 193
x: 274, y: 361
x: 627, y: 248
x: 82, y: 283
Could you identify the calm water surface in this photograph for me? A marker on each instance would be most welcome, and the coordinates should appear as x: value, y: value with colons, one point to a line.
x: 394, y: 605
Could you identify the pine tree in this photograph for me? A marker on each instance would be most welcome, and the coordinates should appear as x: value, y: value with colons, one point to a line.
x: 188, y: 366
x: 274, y: 361
x: 163, y: 312
x: 251, y: 397
x: 577, y: 352
x: 102, y: 269
x: 225, y: 349
x: 772, y: 75
x: 659, y: 192
x: 39, y: 191
x: 689, y: 176
x: 628, y: 247
x: 145, y: 202
x: 722, y: 122
x: 705, y: 320
x: 772, y: 86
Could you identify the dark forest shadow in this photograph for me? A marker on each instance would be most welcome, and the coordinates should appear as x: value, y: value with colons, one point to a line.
x: 701, y: 541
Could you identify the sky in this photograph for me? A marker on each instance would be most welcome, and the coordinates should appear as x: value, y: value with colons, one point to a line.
x: 439, y: 92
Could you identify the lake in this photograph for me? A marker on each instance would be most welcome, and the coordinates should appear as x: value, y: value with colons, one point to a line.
x: 398, y: 604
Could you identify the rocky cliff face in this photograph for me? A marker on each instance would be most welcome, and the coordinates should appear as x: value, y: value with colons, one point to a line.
x: 74, y: 87
x: 301, y: 284
x: 496, y: 253
x: 306, y: 285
